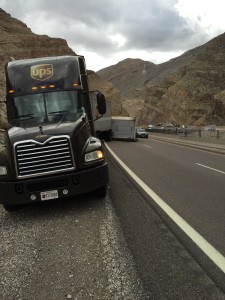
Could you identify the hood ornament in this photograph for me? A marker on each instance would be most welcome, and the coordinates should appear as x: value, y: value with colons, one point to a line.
x: 41, y: 134
x: 41, y: 129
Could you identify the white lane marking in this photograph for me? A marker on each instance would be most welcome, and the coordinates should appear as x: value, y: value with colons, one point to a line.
x: 146, y: 145
x: 200, y: 241
x: 210, y: 168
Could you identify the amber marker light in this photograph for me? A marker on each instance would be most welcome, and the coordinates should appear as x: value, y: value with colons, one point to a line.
x: 43, y: 87
x: 34, y: 88
x: 52, y: 86
x: 75, y: 84
x: 11, y: 91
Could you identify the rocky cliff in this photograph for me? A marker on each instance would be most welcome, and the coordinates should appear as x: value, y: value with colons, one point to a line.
x: 112, y: 94
x: 189, y: 89
x: 17, y: 41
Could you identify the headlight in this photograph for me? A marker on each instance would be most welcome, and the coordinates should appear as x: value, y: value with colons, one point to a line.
x: 94, y: 155
x: 3, y: 170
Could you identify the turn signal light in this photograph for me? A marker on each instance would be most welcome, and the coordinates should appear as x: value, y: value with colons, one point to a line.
x: 100, y: 154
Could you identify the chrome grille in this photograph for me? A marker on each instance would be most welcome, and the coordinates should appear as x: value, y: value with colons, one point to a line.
x: 34, y: 158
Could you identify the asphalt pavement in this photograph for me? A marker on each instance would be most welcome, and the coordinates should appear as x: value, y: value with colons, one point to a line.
x: 164, y: 264
x: 170, y: 265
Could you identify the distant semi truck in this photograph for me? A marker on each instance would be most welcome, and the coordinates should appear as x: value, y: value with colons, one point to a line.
x: 102, y: 123
x: 108, y: 127
x: 124, y: 128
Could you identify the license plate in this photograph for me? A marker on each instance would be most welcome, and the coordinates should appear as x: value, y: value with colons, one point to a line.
x: 49, y: 195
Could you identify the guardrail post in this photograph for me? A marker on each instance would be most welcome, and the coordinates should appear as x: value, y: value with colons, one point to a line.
x: 218, y: 134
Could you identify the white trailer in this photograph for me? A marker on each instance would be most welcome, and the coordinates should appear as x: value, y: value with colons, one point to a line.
x: 124, y: 128
x: 102, y: 125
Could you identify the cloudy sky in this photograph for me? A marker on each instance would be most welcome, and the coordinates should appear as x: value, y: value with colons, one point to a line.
x: 108, y: 31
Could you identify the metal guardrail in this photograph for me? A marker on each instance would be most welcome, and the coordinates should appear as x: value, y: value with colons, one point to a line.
x: 194, y: 133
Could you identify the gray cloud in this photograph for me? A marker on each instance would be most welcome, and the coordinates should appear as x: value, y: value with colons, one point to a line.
x: 145, y: 25
x: 156, y: 28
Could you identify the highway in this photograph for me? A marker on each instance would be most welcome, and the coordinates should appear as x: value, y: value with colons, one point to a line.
x: 158, y: 233
x: 191, y: 183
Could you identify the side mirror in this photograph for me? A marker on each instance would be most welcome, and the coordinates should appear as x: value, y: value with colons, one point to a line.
x: 101, y: 103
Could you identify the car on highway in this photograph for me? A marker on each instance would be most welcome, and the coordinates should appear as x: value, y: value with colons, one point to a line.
x: 141, y: 133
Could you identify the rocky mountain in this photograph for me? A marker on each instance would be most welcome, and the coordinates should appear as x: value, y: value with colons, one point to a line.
x: 17, y: 41
x: 112, y: 94
x: 189, y: 89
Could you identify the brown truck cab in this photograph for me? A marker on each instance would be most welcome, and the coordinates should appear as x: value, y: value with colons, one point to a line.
x: 50, y: 147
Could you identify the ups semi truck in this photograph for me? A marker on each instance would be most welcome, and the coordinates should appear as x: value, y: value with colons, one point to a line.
x: 50, y: 149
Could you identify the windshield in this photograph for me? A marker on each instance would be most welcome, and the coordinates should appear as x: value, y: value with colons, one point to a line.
x: 53, y: 107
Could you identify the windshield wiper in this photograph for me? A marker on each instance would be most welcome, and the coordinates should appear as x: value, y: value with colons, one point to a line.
x: 58, y: 112
x: 25, y: 116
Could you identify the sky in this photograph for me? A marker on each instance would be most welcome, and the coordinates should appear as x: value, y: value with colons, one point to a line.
x: 107, y: 32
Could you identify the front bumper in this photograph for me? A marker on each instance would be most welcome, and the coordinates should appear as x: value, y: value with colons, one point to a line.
x: 22, y: 191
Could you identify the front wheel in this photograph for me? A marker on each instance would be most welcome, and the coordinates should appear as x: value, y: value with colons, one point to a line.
x: 101, y: 192
x: 10, y: 208
x: 109, y: 136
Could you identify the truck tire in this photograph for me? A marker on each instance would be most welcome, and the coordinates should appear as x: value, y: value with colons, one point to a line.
x: 101, y: 192
x: 109, y: 136
x: 10, y: 208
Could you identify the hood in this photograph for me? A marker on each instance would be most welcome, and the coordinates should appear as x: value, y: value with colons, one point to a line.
x: 44, y: 131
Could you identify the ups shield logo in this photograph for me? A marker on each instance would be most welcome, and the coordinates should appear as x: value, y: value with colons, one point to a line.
x: 41, y: 72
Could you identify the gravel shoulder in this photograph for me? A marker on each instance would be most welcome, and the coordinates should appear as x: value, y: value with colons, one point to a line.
x: 73, y: 250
